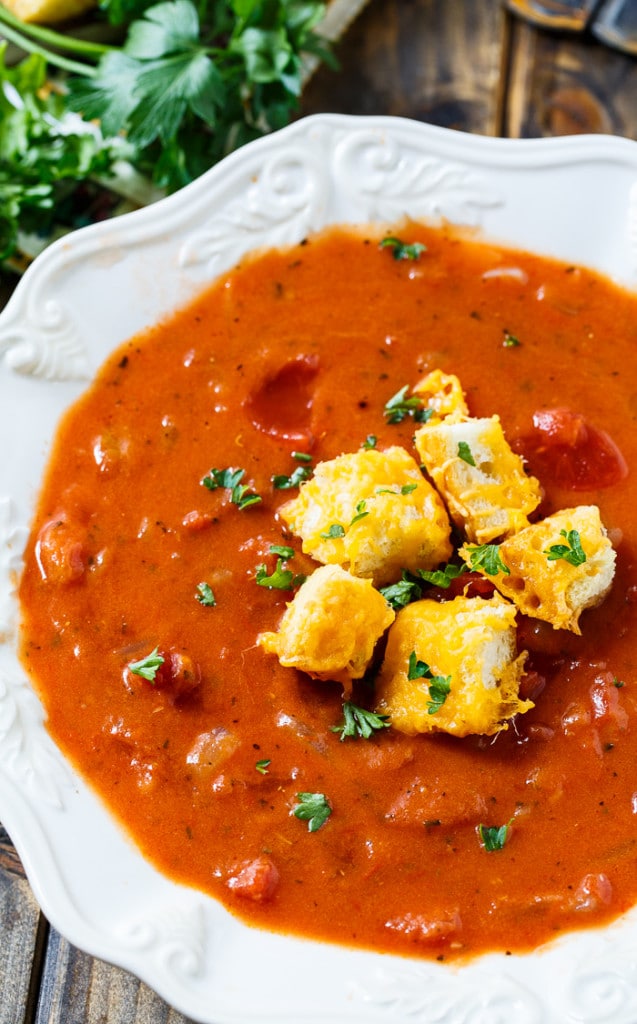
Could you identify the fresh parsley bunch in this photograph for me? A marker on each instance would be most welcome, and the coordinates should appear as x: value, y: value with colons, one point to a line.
x: 187, y: 84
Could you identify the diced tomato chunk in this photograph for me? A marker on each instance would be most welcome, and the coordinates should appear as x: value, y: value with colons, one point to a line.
x: 257, y: 880
x: 60, y: 550
x: 179, y: 674
x: 568, y: 450
x: 282, y: 404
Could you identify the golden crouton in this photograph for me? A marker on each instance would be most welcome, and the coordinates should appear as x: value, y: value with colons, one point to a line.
x: 442, y: 395
x: 483, y: 482
x: 557, y: 567
x: 372, y: 512
x: 331, y: 627
x: 48, y: 12
x: 452, y: 667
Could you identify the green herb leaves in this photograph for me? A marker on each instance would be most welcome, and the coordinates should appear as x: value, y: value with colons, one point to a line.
x: 359, y: 723
x: 399, y: 407
x: 229, y: 479
x: 313, y: 808
x: 205, y: 595
x: 493, y: 837
x: 190, y: 83
x: 571, y: 552
x: 403, y: 250
x: 147, y: 667
x: 464, y: 453
x: 281, y: 578
x: 439, y: 686
x: 486, y: 558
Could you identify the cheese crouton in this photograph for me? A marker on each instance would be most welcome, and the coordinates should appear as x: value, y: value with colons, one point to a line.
x: 442, y: 395
x: 483, y: 482
x: 331, y: 627
x: 452, y: 667
x: 373, y: 513
x: 557, y: 567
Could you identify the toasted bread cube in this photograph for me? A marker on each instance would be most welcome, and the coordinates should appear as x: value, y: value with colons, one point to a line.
x: 546, y: 585
x: 331, y: 627
x: 442, y: 395
x: 483, y: 482
x: 372, y: 512
x: 48, y: 12
x: 469, y: 644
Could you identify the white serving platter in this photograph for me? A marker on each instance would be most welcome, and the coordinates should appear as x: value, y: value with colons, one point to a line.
x: 573, y: 198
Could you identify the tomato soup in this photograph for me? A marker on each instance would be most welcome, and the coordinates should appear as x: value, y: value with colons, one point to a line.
x: 145, y: 591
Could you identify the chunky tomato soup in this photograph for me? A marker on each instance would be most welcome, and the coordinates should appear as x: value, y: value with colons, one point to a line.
x: 158, y: 558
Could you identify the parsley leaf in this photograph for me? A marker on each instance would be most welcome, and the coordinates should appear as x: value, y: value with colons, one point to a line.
x: 439, y: 686
x: 399, y: 407
x: 464, y: 453
x: 205, y: 595
x: 510, y: 341
x: 370, y: 442
x: 443, y: 577
x: 359, y: 723
x: 334, y: 532
x: 147, y: 667
x: 402, y: 593
x: 263, y: 765
x: 403, y: 250
x: 571, y: 552
x: 486, y: 558
x: 361, y: 512
x: 493, y: 837
x: 229, y: 479
x: 280, y: 579
x: 313, y: 808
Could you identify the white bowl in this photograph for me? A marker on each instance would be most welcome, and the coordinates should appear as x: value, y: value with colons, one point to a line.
x: 573, y: 198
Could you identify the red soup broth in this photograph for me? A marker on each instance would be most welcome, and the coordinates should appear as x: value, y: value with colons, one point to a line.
x: 298, y: 351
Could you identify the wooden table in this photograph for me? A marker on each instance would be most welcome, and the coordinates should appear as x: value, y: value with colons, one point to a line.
x: 465, y: 64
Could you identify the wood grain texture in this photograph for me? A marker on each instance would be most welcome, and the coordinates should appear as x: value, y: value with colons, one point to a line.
x: 21, y: 928
x: 431, y: 60
x: 77, y: 989
x: 561, y: 84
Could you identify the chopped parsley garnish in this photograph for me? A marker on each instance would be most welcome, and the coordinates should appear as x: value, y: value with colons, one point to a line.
x: 230, y: 480
x: 439, y: 686
x: 443, y: 577
x: 280, y: 579
x: 283, y: 550
x: 402, y: 593
x: 464, y: 453
x: 335, y: 531
x: 359, y: 723
x: 486, y: 558
x: 399, y: 407
x: 147, y: 667
x: 493, y: 837
x: 403, y: 250
x: 313, y: 808
x: 370, y: 441
x: 571, y: 552
x: 361, y: 512
x: 283, y: 482
x: 405, y: 489
x: 510, y: 341
x: 205, y: 595
x: 263, y: 765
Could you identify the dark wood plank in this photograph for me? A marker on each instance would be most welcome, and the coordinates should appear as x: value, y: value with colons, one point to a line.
x: 77, y: 989
x: 22, y: 930
x: 432, y: 60
x: 560, y: 84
